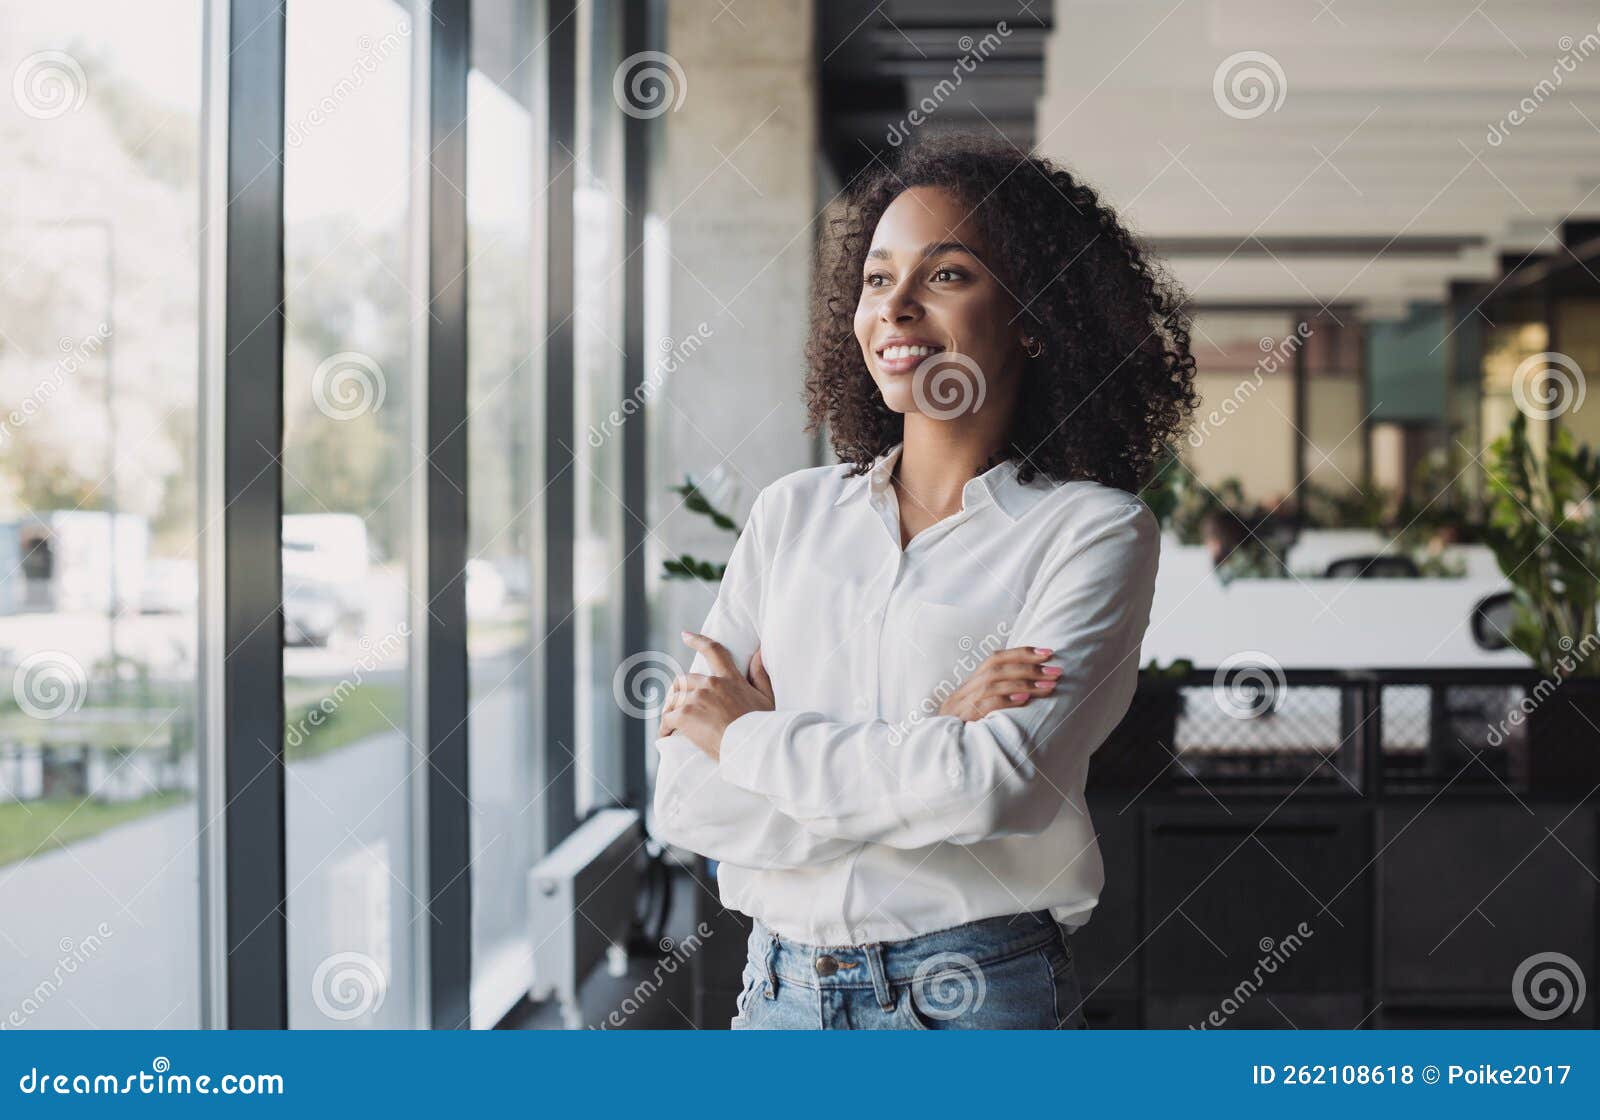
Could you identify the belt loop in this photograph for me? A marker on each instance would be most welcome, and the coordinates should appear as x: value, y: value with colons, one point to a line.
x: 880, y: 978
x: 772, y: 967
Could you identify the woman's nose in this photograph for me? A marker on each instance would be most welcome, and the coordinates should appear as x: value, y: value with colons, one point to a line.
x: 900, y: 308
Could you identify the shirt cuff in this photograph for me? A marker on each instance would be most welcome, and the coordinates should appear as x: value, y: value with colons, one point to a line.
x: 743, y: 748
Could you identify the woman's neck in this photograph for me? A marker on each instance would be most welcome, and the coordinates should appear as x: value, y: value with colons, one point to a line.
x: 937, y: 461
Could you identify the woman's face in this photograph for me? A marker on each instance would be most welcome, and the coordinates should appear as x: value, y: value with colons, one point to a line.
x: 925, y: 291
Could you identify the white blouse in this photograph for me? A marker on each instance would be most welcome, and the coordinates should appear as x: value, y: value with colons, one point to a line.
x: 855, y: 812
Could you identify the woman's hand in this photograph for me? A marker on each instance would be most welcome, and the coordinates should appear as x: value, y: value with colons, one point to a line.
x: 758, y: 677
x: 701, y: 706
x: 1008, y: 678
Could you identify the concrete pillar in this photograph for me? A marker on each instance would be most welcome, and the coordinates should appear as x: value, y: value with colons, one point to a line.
x: 730, y: 239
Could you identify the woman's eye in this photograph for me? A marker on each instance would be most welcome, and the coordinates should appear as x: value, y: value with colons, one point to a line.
x: 872, y: 280
x: 944, y: 275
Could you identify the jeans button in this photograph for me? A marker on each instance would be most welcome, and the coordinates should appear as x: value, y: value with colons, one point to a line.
x: 827, y: 966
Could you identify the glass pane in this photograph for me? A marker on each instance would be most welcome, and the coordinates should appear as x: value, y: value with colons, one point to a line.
x: 1244, y: 428
x: 505, y: 379
x: 350, y: 382
x: 1335, y: 413
x: 597, y: 326
x: 1566, y: 392
x: 1512, y: 375
x: 99, y: 345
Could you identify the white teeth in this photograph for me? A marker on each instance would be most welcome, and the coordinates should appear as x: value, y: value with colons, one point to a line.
x: 895, y: 352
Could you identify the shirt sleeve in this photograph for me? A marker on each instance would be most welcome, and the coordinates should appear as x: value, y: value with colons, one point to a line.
x: 694, y: 807
x: 943, y: 779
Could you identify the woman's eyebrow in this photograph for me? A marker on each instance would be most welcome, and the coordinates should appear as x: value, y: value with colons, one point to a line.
x: 881, y: 254
x: 947, y: 247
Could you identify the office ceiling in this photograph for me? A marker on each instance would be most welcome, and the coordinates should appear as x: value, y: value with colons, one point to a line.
x: 1364, y: 152
x: 1339, y: 152
x: 878, y: 61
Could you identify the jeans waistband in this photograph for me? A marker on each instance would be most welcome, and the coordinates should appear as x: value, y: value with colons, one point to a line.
x: 973, y: 944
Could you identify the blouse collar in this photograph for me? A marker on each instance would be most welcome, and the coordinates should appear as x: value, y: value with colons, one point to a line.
x: 999, y: 484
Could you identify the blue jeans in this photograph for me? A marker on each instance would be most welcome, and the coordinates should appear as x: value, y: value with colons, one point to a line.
x: 1007, y: 973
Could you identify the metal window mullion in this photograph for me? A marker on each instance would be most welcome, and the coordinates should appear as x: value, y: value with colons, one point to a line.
x: 444, y: 618
x: 559, y: 503
x: 636, y: 34
x: 252, y: 521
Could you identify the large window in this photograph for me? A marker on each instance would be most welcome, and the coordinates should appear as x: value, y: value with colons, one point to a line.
x: 505, y: 383
x: 153, y: 179
x: 350, y: 469
x: 99, y: 375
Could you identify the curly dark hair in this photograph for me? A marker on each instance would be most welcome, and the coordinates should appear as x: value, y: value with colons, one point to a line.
x: 1114, y: 387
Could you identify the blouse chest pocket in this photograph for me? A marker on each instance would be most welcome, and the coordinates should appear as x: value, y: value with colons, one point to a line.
x: 945, y: 643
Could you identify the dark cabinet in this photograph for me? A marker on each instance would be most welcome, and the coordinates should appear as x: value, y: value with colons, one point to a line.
x: 1470, y: 890
x: 1238, y: 898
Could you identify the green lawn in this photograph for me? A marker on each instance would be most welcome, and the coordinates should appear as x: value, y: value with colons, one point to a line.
x: 359, y: 715
x: 57, y: 822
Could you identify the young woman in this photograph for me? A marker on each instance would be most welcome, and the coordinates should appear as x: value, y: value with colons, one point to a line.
x: 913, y: 654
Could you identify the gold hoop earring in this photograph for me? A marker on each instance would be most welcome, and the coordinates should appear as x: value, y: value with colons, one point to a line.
x: 1033, y: 347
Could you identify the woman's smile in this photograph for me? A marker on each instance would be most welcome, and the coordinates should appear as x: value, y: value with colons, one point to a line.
x: 903, y: 355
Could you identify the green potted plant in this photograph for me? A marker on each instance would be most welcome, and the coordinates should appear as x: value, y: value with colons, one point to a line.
x: 685, y: 566
x: 1543, y: 530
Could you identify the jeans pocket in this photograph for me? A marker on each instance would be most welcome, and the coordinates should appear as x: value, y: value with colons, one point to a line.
x: 906, y: 1013
x: 752, y: 981
x: 952, y: 991
x: 1067, y: 991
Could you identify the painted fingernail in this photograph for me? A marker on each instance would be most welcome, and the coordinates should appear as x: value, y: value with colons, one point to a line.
x: 1019, y: 696
x: 1044, y: 684
x: 1042, y: 651
x: 1051, y: 670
